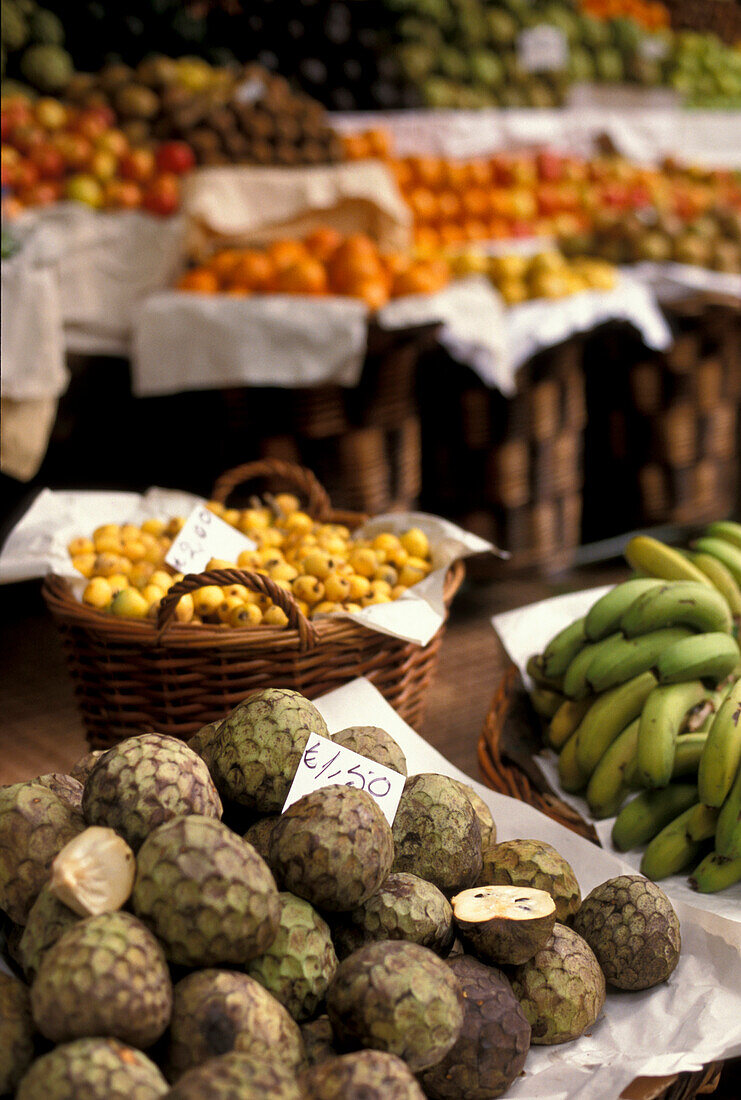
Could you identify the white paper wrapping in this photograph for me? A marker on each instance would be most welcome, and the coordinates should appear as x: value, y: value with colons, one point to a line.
x: 692, y: 1019
x: 37, y: 545
x: 670, y: 281
x: 527, y: 630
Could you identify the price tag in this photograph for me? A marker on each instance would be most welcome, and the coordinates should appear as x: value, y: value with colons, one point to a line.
x: 249, y: 91
x: 325, y: 763
x: 205, y: 536
x: 653, y: 48
x: 542, y: 49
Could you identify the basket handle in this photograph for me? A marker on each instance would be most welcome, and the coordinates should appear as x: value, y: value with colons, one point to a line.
x: 256, y: 582
x: 318, y: 504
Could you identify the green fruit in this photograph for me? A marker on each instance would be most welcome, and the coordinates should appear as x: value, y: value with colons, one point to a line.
x: 714, y: 873
x: 201, y: 743
x: 487, y: 826
x: 405, y: 908
x: 16, y: 1032
x: 660, y: 722
x: 374, y: 743
x: 46, y: 28
x: 494, y: 1039
x: 608, y: 786
x: 711, y: 656
x: 397, y: 997
x: 48, y: 919
x: 685, y: 603
x: 561, y: 989
x: 48, y: 68
x: 145, y: 781
x: 562, y: 648
x: 259, y: 745
x: 260, y: 834
x: 35, y: 824
x: 372, y: 1074
x: 237, y: 1075
x: 14, y: 30
x: 106, y: 975
x: 299, y: 964
x: 604, y: 616
x: 333, y: 847
x: 607, y: 718
x: 679, y: 843
x: 318, y: 1040
x: 647, y: 814
x: 436, y: 834
x: 633, y: 930
x: 93, y: 1069
x: 536, y: 864
x: 205, y: 893
x: 218, y: 1011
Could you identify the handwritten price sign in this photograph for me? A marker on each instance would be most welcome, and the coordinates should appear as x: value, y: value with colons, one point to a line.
x: 205, y: 536
x: 325, y: 763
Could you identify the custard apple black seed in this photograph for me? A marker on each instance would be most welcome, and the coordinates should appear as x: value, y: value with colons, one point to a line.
x: 632, y: 928
x: 218, y: 1011
x: 493, y: 1043
x: 398, y: 997
x: 258, y: 747
x: 561, y: 989
x: 16, y: 1032
x: 205, y: 893
x: 436, y: 833
x: 106, y: 975
x: 35, y: 824
x: 143, y: 782
x: 404, y: 908
x: 536, y: 864
x: 237, y: 1077
x: 299, y: 964
x: 93, y: 1069
x: 375, y: 743
x: 371, y: 1074
x: 333, y: 847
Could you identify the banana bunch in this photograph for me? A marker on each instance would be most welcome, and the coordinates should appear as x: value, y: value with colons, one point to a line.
x: 642, y: 697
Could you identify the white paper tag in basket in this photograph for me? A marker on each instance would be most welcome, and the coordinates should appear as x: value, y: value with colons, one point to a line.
x: 325, y: 763
x: 204, y: 536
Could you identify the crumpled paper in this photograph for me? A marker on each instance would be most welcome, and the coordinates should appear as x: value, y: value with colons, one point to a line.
x: 37, y: 545
x: 670, y: 281
x: 527, y: 630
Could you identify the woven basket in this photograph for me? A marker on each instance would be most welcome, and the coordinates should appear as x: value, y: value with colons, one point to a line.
x: 133, y: 676
x: 721, y: 17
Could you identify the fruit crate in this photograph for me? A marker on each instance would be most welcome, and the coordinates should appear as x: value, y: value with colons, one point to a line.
x: 509, y: 469
x: 364, y: 443
x: 133, y: 676
x: 666, y: 428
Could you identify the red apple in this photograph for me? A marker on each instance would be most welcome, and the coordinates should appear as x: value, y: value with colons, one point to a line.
x: 50, y: 113
x: 76, y: 150
x: 43, y: 193
x: 103, y: 165
x: 26, y: 175
x: 113, y: 141
x: 25, y: 135
x: 162, y: 196
x: 49, y: 161
x: 84, y: 188
x: 122, y: 194
x: 549, y: 166
x: 137, y: 165
x: 176, y: 157
x: 14, y: 112
x: 94, y: 121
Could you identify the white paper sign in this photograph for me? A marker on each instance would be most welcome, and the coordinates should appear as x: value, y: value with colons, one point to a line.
x: 653, y: 48
x: 542, y: 49
x: 205, y: 536
x: 325, y: 763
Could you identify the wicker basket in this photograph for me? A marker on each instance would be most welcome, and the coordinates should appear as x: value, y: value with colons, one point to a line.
x: 132, y: 676
x: 721, y: 17
x: 509, y: 469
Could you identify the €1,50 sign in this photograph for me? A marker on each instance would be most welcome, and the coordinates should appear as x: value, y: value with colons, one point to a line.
x: 204, y: 536
x: 324, y: 764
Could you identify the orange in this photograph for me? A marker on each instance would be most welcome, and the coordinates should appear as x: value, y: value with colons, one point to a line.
x: 286, y: 253
x: 223, y: 263
x: 423, y: 203
x: 455, y: 174
x: 395, y: 262
x: 475, y: 202
x: 322, y: 242
x: 199, y: 279
x: 355, y: 147
x: 475, y: 229
x: 451, y: 234
x: 428, y: 171
x: 449, y: 206
x: 380, y: 143
x: 373, y: 291
x: 402, y: 169
x: 306, y: 277
x: 355, y: 260
x: 479, y: 173
x: 252, y: 271
x: 426, y: 239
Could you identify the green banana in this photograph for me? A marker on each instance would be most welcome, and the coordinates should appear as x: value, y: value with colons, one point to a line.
x: 534, y: 669
x: 608, y: 717
x: 654, y: 558
x: 570, y: 775
x: 661, y: 720
x: 679, y: 843
x: 703, y: 656
x: 566, y: 721
x: 725, y: 529
x: 607, y: 789
x: 715, y: 873
x: 722, y: 578
x: 648, y: 813
x: 678, y: 603
x: 687, y: 753
x: 726, y: 552
x: 545, y: 702
x: 728, y: 832
x: 721, y: 756
x: 561, y: 650
x: 575, y: 684
x: 604, y: 616
x: 619, y: 659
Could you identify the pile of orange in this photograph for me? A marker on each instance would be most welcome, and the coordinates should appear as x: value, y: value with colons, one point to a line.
x: 649, y: 14
x: 323, y: 263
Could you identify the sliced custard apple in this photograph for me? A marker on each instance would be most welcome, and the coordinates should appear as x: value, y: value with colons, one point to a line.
x: 533, y: 863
